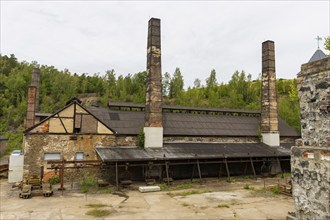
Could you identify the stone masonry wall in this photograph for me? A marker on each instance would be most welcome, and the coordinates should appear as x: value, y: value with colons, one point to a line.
x: 310, y: 158
x: 36, y: 145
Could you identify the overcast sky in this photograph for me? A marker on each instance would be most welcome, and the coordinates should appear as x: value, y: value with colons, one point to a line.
x: 92, y: 37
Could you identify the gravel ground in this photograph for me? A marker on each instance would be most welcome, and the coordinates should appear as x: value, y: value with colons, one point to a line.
x: 213, y: 199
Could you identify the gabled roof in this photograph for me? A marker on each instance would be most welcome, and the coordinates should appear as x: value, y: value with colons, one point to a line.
x: 318, y: 55
x: 187, y: 124
x: 69, y: 103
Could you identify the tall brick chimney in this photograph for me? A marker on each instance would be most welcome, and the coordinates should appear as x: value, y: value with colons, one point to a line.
x: 31, y: 107
x: 153, y: 126
x: 36, y: 82
x: 269, y: 120
x: 33, y: 99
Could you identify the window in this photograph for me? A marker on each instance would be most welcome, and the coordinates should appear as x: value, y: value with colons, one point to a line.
x: 79, y: 156
x: 52, y: 156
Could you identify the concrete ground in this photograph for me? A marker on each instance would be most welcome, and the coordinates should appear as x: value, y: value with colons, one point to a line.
x: 214, y: 199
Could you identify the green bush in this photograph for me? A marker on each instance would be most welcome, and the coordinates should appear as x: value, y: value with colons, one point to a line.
x: 87, y: 183
x: 276, y: 190
x: 54, y: 180
x: 140, y: 139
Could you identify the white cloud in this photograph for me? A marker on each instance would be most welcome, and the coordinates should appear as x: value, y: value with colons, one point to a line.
x: 93, y: 37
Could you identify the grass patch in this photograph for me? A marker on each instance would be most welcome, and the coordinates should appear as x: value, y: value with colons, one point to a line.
x: 248, y: 187
x: 188, y: 193
x: 185, y: 204
x: 182, y: 186
x: 276, y: 190
x: 108, y: 189
x: 97, y: 205
x: 223, y: 206
x: 99, y: 212
x: 165, y: 187
x: 262, y: 193
x: 284, y: 175
x: 87, y: 184
x: 248, y: 177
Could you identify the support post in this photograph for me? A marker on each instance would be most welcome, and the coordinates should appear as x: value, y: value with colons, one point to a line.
x: 254, y: 172
x: 199, y: 172
x: 117, y: 184
x: 167, y: 176
x: 279, y: 164
x: 62, y: 175
x: 41, y: 173
x: 227, y: 169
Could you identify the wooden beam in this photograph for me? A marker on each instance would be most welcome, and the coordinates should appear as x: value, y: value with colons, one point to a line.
x: 199, y: 172
x: 167, y: 176
x: 62, y: 123
x: 62, y: 176
x: 227, y: 169
x: 254, y: 172
x: 117, y: 182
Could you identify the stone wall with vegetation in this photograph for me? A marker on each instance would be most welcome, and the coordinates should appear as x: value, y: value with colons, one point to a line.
x: 36, y: 145
x: 310, y: 159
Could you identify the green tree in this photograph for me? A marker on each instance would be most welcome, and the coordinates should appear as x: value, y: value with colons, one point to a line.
x: 176, y: 85
x: 211, y: 81
x: 197, y: 83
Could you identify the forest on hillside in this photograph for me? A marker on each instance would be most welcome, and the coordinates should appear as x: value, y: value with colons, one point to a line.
x: 58, y: 86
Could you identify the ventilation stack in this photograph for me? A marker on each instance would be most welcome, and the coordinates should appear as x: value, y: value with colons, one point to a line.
x: 33, y: 99
x: 269, y: 118
x: 31, y: 107
x: 153, y: 127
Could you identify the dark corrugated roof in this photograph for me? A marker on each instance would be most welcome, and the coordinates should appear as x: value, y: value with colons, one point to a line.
x: 181, y: 124
x: 180, y: 151
x: 318, y: 55
x: 3, y: 138
x: 38, y: 114
x: 168, y: 107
